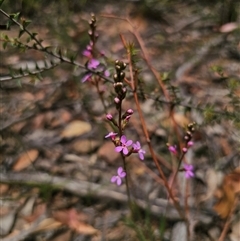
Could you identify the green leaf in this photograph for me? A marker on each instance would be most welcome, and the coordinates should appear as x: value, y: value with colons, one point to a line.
x: 28, y: 39
x: 9, y: 24
x: 26, y: 23
x: 16, y: 16
x: 37, y: 67
x: 60, y: 53
x: 21, y: 71
x: 5, y: 45
x: 19, y: 83
x: 34, y: 35
x: 73, y: 58
x: 39, y: 76
x: 21, y: 32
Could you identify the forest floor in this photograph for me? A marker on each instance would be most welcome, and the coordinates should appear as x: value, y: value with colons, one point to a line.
x: 56, y: 164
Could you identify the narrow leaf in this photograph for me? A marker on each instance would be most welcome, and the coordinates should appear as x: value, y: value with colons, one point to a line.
x: 21, y: 32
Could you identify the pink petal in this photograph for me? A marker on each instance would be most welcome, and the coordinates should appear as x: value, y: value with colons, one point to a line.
x: 119, y: 171
x: 125, y: 150
x: 122, y: 175
x: 113, y: 179
x: 129, y: 143
x: 86, y: 77
x: 123, y: 139
x: 106, y: 73
x: 119, y: 181
x: 141, y: 156
x: 118, y: 148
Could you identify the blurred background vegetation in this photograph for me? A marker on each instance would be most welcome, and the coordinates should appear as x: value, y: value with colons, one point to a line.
x: 224, y: 10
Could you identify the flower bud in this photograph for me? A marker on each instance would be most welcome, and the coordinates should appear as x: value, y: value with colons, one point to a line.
x: 190, y: 143
x: 184, y: 150
x: 116, y: 100
x: 109, y: 117
x: 130, y: 111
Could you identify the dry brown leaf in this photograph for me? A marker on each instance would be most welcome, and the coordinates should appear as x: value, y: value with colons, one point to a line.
x: 235, y: 234
x: 66, y: 236
x: 228, y: 27
x: 76, y: 128
x: 71, y: 218
x: 37, y: 212
x: 233, y: 179
x: 3, y: 188
x: 85, y: 146
x: 48, y: 224
x: 26, y: 159
x: 83, y: 228
x: 226, y: 193
x: 60, y: 118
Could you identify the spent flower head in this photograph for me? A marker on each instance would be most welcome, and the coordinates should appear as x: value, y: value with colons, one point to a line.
x: 118, y: 178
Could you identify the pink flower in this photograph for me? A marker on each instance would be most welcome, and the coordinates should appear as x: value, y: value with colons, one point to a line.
x: 173, y: 149
x: 88, y: 51
x: 106, y: 73
x: 141, y: 152
x: 120, y: 174
x: 93, y: 63
x: 188, y: 170
x: 125, y: 144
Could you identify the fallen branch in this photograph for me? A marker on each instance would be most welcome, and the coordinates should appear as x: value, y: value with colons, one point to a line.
x: 83, y: 188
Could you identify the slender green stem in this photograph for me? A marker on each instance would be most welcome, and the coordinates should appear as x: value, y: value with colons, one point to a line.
x: 127, y: 181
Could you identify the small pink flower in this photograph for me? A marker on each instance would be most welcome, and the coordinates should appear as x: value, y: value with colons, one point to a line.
x: 106, y: 73
x: 173, y: 149
x: 118, y: 178
x: 93, y: 63
x: 188, y: 171
x: 87, y: 53
x: 125, y: 144
x: 141, y: 152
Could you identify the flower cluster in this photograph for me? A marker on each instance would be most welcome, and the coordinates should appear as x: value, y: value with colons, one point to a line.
x: 127, y: 147
x: 93, y: 64
x: 188, y: 143
x: 122, y: 144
